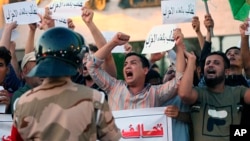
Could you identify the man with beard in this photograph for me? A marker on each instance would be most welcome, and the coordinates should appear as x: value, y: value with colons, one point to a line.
x: 215, y: 106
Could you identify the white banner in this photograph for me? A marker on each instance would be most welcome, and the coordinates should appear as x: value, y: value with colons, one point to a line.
x: 177, y: 11
x: 144, y: 124
x: 138, y: 124
x: 159, y: 39
x: 22, y: 12
x: 5, y: 125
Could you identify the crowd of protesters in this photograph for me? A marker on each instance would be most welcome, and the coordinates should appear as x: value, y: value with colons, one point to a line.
x: 202, y: 110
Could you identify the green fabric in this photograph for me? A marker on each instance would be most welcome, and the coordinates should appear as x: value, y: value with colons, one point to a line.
x: 240, y: 9
x: 18, y: 93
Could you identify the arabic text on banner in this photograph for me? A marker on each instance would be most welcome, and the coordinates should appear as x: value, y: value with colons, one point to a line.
x: 159, y: 39
x: 177, y: 11
x: 144, y: 124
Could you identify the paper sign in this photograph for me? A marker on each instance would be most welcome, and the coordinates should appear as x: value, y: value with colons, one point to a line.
x: 61, y: 22
x: 159, y: 39
x: 144, y: 124
x: 5, y: 125
x: 22, y: 12
x: 66, y: 8
x: 108, y: 35
x: 177, y: 11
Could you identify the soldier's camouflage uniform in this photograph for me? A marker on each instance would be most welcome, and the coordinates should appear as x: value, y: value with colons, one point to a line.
x: 64, y: 111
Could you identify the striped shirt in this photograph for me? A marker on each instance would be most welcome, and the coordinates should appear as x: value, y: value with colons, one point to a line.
x: 119, y: 96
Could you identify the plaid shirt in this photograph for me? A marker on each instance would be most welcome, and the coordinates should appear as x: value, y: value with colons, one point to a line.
x: 119, y: 96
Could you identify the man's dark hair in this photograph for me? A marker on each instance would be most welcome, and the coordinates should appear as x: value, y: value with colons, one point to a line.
x: 144, y: 60
x: 223, y: 55
x: 5, y: 55
x: 233, y: 47
x: 93, y: 47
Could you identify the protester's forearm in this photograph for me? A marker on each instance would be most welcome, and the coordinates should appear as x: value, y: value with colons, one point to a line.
x: 104, y: 51
x: 109, y: 64
x: 30, y: 42
x: 186, y: 83
x: 245, y: 54
x: 208, y: 36
x: 5, y: 39
x: 180, y: 59
x: 200, y: 39
x: 97, y: 35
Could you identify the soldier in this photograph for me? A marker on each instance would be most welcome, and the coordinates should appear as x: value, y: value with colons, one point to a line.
x: 59, y: 109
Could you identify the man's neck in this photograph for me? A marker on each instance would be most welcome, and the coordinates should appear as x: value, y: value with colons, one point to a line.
x: 136, y: 89
x: 218, y: 88
x: 235, y: 71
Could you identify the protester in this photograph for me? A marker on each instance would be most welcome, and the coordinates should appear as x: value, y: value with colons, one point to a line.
x: 5, y: 96
x: 215, y: 106
x: 9, y: 78
x: 76, y: 112
x: 175, y: 108
x: 133, y: 92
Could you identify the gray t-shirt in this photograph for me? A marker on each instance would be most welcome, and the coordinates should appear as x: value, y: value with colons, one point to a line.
x: 213, y: 113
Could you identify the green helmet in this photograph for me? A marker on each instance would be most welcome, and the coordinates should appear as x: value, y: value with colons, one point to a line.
x: 57, y: 53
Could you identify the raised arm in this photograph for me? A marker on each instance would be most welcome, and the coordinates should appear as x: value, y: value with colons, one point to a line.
x: 245, y: 54
x: 46, y: 20
x: 185, y: 90
x: 118, y: 39
x: 209, y: 23
x: 180, y: 48
x: 29, y: 47
x: 109, y: 63
x: 196, y: 27
x: 6, y: 35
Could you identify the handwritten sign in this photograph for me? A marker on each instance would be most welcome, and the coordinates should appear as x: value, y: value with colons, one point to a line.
x: 177, y: 11
x: 66, y: 8
x: 61, y: 22
x: 147, y: 124
x: 159, y: 39
x: 22, y: 12
x: 108, y: 35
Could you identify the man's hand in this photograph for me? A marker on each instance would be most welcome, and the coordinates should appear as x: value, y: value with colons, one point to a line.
x: 208, y: 22
x: 178, y: 37
x: 196, y: 24
x: 71, y: 25
x: 120, y: 39
x: 172, y: 111
x: 87, y: 14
